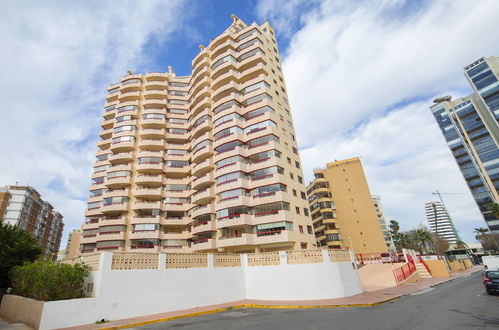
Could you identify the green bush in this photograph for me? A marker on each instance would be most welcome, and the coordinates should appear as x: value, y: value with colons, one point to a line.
x: 47, y: 281
x: 17, y: 246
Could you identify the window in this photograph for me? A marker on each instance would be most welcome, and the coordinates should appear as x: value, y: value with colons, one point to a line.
x: 303, y: 246
x: 289, y: 160
x: 305, y: 211
x: 297, y: 209
x: 294, y: 192
x: 297, y: 164
x: 303, y: 195
x: 300, y: 179
x: 295, y: 151
x: 258, y: 112
x: 265, y: 172
x: 309, y: 230
x: 300, y: 229
x: 291, y: 176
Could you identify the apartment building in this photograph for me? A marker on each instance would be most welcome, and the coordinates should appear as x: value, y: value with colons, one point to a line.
x: 201, y: 163
x: 440, y: 222
x: 342, y: 209
x: 73, y: 244
x: 383, y: 225
x: 469, y: 125
x: 23, y: 207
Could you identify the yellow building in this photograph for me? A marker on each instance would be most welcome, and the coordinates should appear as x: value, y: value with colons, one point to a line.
x: 201, y: 163
x: 342, y: 209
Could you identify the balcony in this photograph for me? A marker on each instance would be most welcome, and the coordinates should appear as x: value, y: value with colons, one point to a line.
x: 129, y: 96
x: 153, y: 133
x: 158, y: 144
x: 150, y: 167
x: 201, y: 153
x: 202, y: 182
x: 106, y: 133
x: 121, y: 157
x: 116, y: 193
x: 158, y: 93
x: 173, y: 206
x: 153, y: 123
x: 113, y: 221
x: 175, y: 221
x: 203, y: 167
x: 242, y: 239
x: 177, y: 137
x: 104, y: 144
x: 235, y: 220
x: 148, y: 192
x: 203, y: 227
x: 118, y: 147
x: 176, y: 171
x: 88, y: 239
x: 149, y: 179
x: 156, y: 102
x: 146, y: 205
x: 146, y: 219
x: 114, y: 208
x: 201, y: 210
x: 274, y: 236
x: 118, y: 182
x: 111, y: 236
x: 201, y: 244
x: 175, y: 235
x: 144, y: 234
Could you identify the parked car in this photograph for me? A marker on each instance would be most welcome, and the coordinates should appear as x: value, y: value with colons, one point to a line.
x: 386, y: 258
x: 491, y: 281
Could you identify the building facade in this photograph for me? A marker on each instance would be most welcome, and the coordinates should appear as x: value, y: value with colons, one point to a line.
x: 73, y: 244
x: 24, y: 208
x: 469, y: 125
x: 201, y: 163
x: 380, y: 213
x: 342, y: 209
x: 439, y: 222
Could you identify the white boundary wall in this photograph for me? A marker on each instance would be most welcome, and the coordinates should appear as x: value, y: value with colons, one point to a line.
x: 129, y: 293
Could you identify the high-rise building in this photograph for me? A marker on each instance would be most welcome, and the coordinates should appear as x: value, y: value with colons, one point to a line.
x: 439, y: 222
x: 73, y: 244
x: 342, y: 209
x: 380, y: 213
x: 469, y: 125
x: 24, y: 208
x: 201, y: 163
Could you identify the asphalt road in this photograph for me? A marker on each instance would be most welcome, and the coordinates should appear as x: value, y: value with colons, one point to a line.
x: 459, y: 304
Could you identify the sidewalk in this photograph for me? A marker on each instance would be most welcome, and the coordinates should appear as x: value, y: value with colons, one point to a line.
x: 365, y: 299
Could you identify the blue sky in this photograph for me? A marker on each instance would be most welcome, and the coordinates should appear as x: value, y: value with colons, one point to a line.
x: 360, y: 78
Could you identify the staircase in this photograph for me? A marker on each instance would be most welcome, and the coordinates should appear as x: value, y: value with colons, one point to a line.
x: 422, y: 271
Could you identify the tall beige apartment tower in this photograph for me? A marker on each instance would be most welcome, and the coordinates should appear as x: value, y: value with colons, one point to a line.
x: 201, y: 163
x: 342, y: 209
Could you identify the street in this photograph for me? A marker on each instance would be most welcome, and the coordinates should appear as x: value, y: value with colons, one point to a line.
x: 459, y: 304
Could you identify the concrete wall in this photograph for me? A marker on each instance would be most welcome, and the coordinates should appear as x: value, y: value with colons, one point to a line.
x: 438, y: 268
x: 129, y: 293
x: 16, y: 309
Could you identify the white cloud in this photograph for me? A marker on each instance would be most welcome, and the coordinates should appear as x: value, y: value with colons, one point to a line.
x: 361, y: 69
x: 57, y: 60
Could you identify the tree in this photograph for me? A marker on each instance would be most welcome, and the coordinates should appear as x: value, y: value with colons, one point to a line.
x: 486, y: 238
x: 494, y: 208
x: 17, y: 246
x: 422, y: 238
x: 440, y: 244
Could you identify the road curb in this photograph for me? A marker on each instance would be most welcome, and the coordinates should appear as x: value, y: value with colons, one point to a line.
x: 242, y: 306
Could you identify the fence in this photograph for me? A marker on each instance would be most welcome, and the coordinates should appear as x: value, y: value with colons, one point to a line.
x: 368, y: 258
x: 143, y: 260
x: 404, y: 272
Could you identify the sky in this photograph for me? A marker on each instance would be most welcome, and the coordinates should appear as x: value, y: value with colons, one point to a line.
x: 360, y: 75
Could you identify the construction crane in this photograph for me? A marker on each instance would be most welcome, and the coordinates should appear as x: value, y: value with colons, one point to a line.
x: 446, y: 212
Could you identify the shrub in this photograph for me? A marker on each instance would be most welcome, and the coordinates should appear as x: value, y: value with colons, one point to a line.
x: 17, y: 246
x: 47, y: 281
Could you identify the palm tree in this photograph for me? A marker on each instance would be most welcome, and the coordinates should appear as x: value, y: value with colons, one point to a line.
x: 404, y: 240
x: 494, y: 208
x: 423, y: 238
x: 480, y: 231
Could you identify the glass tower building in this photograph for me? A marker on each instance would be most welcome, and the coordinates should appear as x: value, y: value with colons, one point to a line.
x: 469, y: 125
